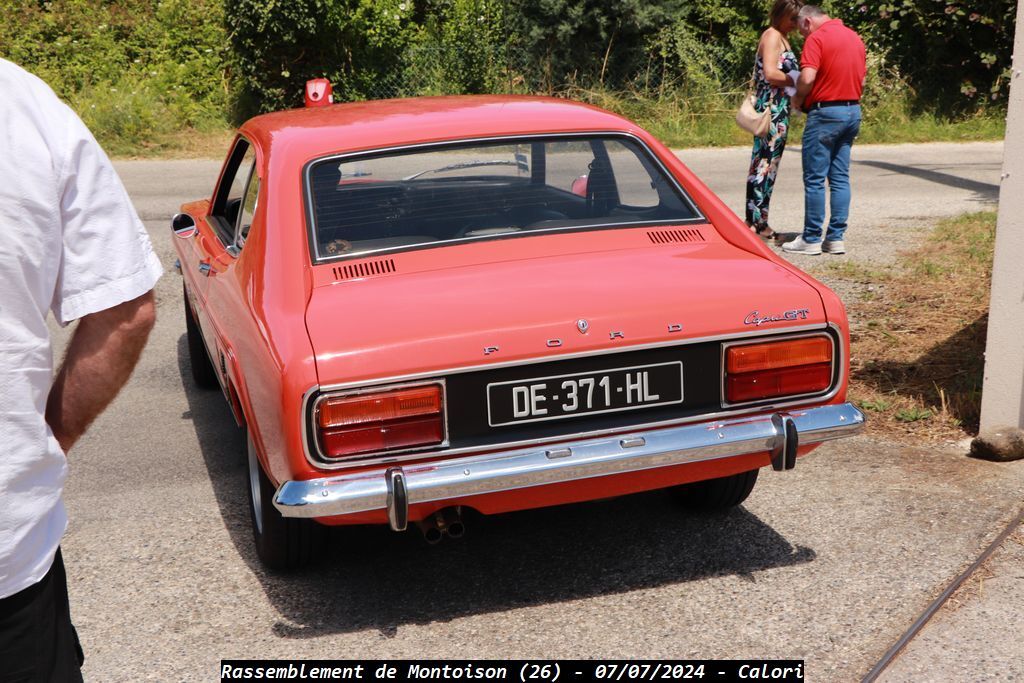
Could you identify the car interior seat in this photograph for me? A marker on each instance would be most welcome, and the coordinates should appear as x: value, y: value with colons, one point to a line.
x: 602, y: 195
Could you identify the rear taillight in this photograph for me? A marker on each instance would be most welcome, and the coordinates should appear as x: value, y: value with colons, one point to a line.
x: 790, y: 367
x: 381, y: 421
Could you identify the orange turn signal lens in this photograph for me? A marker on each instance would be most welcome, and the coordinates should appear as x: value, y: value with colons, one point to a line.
x: 379, y: 407
x: 777, y: 355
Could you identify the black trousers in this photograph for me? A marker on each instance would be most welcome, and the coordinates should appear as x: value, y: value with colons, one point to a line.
x: 37, y: 640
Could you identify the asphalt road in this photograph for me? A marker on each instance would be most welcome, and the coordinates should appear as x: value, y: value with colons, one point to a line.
x: 828, y: 563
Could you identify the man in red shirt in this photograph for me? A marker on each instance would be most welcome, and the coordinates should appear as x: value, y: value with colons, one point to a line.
x: 833, y: 66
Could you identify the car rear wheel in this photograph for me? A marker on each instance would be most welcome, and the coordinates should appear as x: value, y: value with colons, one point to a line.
x: 715, y: 494
x: 282, y: 543
x: 203, y: 372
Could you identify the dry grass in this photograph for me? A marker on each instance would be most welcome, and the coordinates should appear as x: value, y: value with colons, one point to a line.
x: 918, y: 344
x: 974, y: 586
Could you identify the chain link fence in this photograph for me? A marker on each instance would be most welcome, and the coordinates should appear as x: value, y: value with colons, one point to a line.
x: 510, y: 70
x: 454, y: 71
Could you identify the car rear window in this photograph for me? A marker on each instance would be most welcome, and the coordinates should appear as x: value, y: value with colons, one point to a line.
x: 433, y: 195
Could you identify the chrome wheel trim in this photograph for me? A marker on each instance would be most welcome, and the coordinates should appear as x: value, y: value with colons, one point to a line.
x: 254, y: 486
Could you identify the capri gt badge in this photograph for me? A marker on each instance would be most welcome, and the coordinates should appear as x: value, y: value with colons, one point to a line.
x: 755, y: 318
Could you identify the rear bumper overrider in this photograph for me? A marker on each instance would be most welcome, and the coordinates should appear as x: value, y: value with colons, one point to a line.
x: 396, y: 488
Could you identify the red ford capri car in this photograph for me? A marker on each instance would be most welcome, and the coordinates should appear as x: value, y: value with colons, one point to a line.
x: 422, y: 307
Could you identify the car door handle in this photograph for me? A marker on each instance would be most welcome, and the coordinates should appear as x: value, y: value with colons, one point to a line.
x: 205, y: 268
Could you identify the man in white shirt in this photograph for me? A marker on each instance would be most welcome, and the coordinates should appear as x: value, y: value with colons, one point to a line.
x: 70, y: 243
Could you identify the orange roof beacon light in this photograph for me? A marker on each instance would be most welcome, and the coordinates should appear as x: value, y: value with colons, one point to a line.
x: 319, y: 93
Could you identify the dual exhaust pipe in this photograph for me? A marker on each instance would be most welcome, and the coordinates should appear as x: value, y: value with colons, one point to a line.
x: 447, y: 522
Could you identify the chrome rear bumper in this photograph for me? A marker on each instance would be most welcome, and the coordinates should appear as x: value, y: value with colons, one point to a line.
x: 396, y: 488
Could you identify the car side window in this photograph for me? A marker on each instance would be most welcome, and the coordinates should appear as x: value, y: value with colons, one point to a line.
x: 567, y: 164
x: 228, y: 199
x: 248, y: 208
x: 633, y: 181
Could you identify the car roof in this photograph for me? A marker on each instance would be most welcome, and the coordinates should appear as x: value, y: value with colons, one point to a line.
x: 304, y: 134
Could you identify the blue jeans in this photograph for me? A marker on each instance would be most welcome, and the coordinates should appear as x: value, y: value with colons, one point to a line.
x: 827, y: 139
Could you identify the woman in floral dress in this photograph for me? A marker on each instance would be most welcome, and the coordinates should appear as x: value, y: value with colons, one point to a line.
x: 773, y: 87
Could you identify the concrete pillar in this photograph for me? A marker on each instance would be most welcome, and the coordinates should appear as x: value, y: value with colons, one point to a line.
x: 1002, y: 399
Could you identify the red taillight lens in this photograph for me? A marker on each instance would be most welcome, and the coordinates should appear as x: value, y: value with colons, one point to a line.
x: 380, y: 421
x: 791, y: 367
x: 753, y: 386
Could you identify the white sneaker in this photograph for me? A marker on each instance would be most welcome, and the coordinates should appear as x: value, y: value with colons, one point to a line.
x: 798, y: 246
x: 833, y: 247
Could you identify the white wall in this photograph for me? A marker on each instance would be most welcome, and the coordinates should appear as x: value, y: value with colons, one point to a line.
x: 1002, y: 400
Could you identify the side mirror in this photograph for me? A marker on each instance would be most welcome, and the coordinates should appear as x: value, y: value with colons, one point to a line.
x: 183, y: 225
x: 579, y: 186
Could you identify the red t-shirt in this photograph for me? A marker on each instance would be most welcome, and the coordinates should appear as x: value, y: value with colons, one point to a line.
x: 839, y: 56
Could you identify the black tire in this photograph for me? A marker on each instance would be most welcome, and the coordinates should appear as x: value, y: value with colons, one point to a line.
x: 203, y: 372
x: 715, y: 494
x: 282, y: 543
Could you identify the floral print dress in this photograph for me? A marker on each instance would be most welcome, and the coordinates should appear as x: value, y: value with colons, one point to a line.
x: 767, y: 153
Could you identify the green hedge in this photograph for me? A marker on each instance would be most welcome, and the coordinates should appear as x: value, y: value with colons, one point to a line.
x: 137, y: 70
x: 369, y: 49
x: 133, y: 68
x: 955, y: 55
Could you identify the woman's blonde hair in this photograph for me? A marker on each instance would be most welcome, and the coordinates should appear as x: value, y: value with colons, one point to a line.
x: 782, y: 9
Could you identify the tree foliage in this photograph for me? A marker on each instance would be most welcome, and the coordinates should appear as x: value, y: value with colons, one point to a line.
x: 590, y: 40
x: 277, y: 46
x: 132, y: 69
x: 175, y: 47
x: 957, y: 55
x: 138, y: 64
x: 461, y: 47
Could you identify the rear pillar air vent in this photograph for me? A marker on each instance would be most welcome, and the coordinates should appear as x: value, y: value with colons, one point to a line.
x: 679, y: 235
x: 364, y: 269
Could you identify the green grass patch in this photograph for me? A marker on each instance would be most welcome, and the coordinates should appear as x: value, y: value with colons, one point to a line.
x: 926, y: 127
x: 854, y: 271
x: 708, y: 121
x: 913, y: 414
x: 132, y: 118
x: 144, y: 125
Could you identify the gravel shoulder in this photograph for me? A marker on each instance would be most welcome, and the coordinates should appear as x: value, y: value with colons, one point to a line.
x: 979, y: 634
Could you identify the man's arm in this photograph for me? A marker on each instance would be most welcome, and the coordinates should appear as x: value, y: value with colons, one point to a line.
x: 804, y: 85
x: 103, y: 351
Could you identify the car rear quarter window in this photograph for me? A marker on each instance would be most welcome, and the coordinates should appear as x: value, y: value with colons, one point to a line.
x: 435, y: 195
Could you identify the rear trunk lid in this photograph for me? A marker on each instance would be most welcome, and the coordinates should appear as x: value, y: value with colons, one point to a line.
x: 419, y: 315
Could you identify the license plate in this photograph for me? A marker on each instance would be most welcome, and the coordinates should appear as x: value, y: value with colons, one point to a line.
x: 587, y: 393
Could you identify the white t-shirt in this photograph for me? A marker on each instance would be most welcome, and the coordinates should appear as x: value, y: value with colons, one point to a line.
x: 70, y: 243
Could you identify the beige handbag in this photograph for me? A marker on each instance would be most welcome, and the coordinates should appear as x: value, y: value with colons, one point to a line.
x: 749, y: 119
